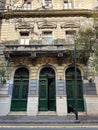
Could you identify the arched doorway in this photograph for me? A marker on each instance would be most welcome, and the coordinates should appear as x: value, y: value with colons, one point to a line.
x: 20, y: 90
x: 47, y: 90
x: 70, y: 88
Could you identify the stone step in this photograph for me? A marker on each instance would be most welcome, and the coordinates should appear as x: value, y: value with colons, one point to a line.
x: 47, y: 113
x: 17, y: 113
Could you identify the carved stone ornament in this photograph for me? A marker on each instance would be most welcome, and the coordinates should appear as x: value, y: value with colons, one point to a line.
x: 69, y: 25
x: 24, y: 26
x: 47, y: 25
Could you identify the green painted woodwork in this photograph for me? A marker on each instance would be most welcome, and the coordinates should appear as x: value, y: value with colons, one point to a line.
x: 70, y: 88
x: 47, y: 96
x: 20, y: 90
x: 43, y: 95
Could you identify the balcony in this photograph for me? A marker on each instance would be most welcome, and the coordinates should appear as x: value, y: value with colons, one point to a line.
x: 37, y: 49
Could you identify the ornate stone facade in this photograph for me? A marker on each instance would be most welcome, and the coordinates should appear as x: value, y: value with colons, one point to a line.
x: 37, y: 45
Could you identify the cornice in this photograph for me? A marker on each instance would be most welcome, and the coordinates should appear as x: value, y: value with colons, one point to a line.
x: 47, y: 13
x: 48, y: 25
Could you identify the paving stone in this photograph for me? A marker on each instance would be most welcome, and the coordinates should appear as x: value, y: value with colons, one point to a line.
x: 47, y: 119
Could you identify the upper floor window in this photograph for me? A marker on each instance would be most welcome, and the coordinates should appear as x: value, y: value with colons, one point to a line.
x: 47, y: 38
x: 27, y: 4
x: 2, y: 4
x: 68, y: 4
x: 47, y: 3
x: 70, y: 37
x: 24, y: 38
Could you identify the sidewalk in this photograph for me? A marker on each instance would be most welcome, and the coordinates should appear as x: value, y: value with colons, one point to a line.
x: 11, y: 119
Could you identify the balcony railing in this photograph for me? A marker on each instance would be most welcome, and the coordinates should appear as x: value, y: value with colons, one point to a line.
x: 57, y: 46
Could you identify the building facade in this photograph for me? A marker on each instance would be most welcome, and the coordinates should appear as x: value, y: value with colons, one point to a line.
x: 37, y: 57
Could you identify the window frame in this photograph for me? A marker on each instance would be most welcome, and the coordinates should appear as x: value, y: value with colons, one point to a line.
x: 69, y: 4
x: 24, y: 38
x: 27, y: 5
x: 70, y: 36
x: 47, y: 39
x: 47, y: 3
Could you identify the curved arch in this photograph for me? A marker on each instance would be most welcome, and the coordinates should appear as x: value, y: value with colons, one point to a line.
x: 47, y: 71
x: 44, y: 66
x: 22, y: 66
x: 47, y: 89
x: 15, y: 69
x: 20, y: 89
x: 70, y: 88
x: 78, y: 68
x: 22, y: 71
x: 71, y: 72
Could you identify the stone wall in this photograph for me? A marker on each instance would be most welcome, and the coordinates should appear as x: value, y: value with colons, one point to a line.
x: 9, y: 31
x: 58, y: 4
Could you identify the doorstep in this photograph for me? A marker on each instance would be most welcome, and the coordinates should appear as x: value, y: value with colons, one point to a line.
x: 46, y: 113
x: 18, y: 113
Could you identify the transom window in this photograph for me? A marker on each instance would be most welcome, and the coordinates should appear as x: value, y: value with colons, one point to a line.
x: 68, y: 4
x: 27, y: 4
x: 24, y: 38
x: 70, y: 37
x: 47, y: 38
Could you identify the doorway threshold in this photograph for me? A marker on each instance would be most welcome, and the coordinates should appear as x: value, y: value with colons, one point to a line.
x: 17, y: 113
x: 48, y: 113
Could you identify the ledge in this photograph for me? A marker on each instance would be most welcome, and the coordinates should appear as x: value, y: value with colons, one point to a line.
x: 4, y: 95
x: 34, y: 51
x: 47, y: 13
x: 38, y: 48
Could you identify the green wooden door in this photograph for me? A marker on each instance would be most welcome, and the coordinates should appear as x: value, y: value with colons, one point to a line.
x: 47, y: 96
x: 51, y: 94
x: 20, y: 91
x: 43, y: 95
x: 70, y: 88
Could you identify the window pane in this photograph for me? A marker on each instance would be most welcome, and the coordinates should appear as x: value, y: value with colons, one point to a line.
x: 70, y: 37
x: 24, y: 38
x: 26, y: 41
x: 47, y: 38
x: 22, y: 41
x: 70, y: 5
x: 27, y: 4
x: 47, y: 3
x: 67, y: 4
